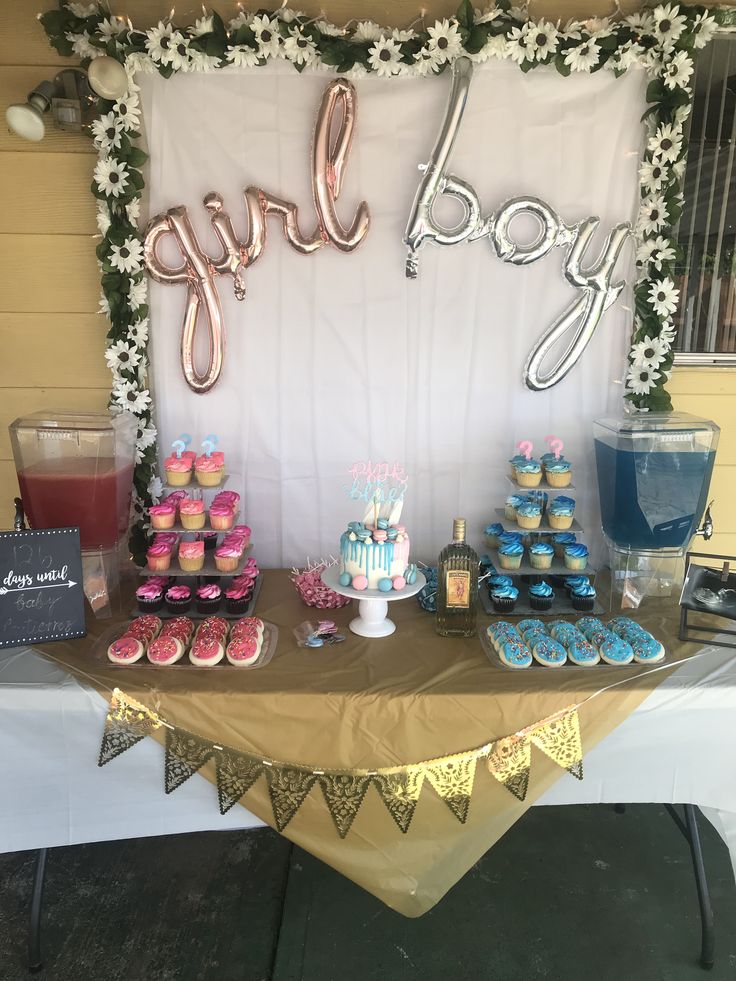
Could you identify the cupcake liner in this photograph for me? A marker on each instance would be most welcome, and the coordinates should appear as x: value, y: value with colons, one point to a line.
x: 174, y: 478
x: 208, y: 478
x: 179, y: 606
x: 160, y: 563
x: 509, y: 561
x: 226, y: 565
x: 531, y: 523
x: 584, y: 604
x: 559, y: 479
x: 529, y: 479
x: 576, y: 564
x: 560, y: 522
x: 503, y: 605
x: 192, y: 522
x: 162, y: 522
x: 492, y: 541
x: 540, y: 561
x: 151, y: 605
x: 236, y: 606
x: 208, y: 605
x: 220, y: 523
x: 191, y: 565
x: 540, y: 603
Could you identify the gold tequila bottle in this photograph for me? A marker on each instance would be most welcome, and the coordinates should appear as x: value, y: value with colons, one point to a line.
x: 457, y: 585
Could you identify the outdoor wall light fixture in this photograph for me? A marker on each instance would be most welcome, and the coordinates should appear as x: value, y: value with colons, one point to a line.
x: 71, y: 96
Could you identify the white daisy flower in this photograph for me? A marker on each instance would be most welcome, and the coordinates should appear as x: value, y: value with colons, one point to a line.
x: 155, y: 488
x: 158, y: 41
x: 598, y: 25
x: 678, y: 169
x: 241, y: 56
x: 641, y: 22
x: 584, y: 57
x: 425, y: 62
x: 385, y: 57
x: 267, y: 36
x: 241, y: 20
x: 401, y: 36
x: 327, y: 29
x: 664, y: 297
x: 127, y: 257
x: 129, y: 396
x: 288, y: 15
x: 103, y: 218
x: 366, y: 30
x: 138, y: 332
x: 444, y: 38
x: 641, y: 380
x: 133, y: 210
x: 652, y: 214
x: 110, y: 27
x: 199, y: 61
x: 544, y: 36
x: 703, y: 29
x: 81, y: 46
x: 128, y: 110
x: 299, y: 48
x: 107, y: 132
x: 177, y: 53
x: 666, y: 144
x: 83, y: 9
x: 121, y: 355
x: 103, y: 306
x: 111, y: 176
x: 662, y: 252
x: 669, y: 24
x: 668, y: 333
x: 495, y: 47
x: 203, y: 25
x: 650, y: 352
x: 628, y: 56
x: 678, y: 71
x: 519, y: 46
x: 356, y: 72
x: 485, y: 17
x: 653, y: 174
x: 137, y: 296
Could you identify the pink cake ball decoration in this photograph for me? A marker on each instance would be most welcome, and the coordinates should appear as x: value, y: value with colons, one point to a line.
x: 360, y: 582
x: 398, y: 582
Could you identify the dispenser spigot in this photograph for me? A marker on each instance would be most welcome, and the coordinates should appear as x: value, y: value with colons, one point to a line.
x: 706, y: 529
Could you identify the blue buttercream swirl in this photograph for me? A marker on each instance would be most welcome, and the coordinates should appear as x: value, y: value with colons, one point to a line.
x: 509, y: 536
x: 541, y: 548
x: 529, y: 510
x: 511, y: 548
x: 497, y: 581
x: 577, y: 551
x: 572, y: 582
x: 505, y: 592
x: 584, y: 589
x: 515, y: 500
x: 563, y: 506
x: 541, y: 589
x: 564, y: 538
x: 528, y: 466
x: 495, y: 529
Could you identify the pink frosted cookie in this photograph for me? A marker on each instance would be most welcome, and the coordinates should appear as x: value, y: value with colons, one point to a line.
x: 145, y: 628
x: 180, y: 627
x: 244, y: 651
x: 125, y: 650
x: 248, y: 627
x: 206, y: 651
x: 166, y: 649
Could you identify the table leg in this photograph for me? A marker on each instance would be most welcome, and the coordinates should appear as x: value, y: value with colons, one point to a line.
x: 689, y: 829
x: 35, y: 963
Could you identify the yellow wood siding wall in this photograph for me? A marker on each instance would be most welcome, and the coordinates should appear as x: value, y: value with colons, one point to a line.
x: 51, y: 337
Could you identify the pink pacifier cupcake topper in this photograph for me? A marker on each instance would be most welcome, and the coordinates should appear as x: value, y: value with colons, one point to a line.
x: 526, y: 446
x: 209, y: 443
x: 555, y: 445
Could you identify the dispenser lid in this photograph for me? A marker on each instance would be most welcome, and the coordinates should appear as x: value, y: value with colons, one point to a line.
x: 103, y: 422
x: 656, y: 422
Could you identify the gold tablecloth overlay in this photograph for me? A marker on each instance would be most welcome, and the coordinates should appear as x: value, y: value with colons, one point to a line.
x: 366, y: 703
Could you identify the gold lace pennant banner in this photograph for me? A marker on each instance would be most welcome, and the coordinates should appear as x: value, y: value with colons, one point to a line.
x: 288, y: 787
x: 185, y: 754
x: 343, y: 795
x: 510, y: 761
x: 560, y: 739
x: 452, y: 778
x: 400, y: 792
x: 236, y: 774
x: 127, y: 723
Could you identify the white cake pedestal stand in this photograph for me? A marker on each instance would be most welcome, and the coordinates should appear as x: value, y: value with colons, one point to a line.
x: 372, y: 603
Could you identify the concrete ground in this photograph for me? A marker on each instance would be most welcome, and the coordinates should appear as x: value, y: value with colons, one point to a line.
x: 570, y: 893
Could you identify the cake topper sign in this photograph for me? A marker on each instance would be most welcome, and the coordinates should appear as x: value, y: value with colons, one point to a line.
x: 382, y: 486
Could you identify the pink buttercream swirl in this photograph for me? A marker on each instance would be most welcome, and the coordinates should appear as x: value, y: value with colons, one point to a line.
x: 165, y: 538
x: 162, y: 509
x: 158, y: 550
x: 209, y: 592
x: 227, y: 552
x: 177, y: 465
x: 207, y: 465
x: 221, y: 510
x: 149, y: 591
x: 240, y: 591
x: 191, y: 550
x: 174, y: 497
x: 226, y: 497
x: 191, y: 507
x: 178, y: 593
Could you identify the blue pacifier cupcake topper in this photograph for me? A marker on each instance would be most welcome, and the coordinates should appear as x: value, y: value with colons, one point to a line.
x: 181, y: 443
x: 209, y: 443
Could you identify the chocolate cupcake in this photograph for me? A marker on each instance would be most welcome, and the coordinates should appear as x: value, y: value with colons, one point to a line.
x: 209, y: 598
x: 541, y: 596
x: 150, y: 596
x: 504, y: 598
x: 178, y: 599
x: 583, y: 598
x: 238, y: 594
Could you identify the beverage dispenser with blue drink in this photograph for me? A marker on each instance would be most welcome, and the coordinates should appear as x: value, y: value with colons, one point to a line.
x: 654, y: 471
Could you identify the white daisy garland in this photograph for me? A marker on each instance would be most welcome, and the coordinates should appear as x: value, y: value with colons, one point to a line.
x: 663, y: 40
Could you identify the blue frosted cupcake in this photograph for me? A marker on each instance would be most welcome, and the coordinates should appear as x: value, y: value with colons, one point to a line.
x: 492, y: 533
x: 506, y: 537
x: 576, y: 556
x: 529, y: 515
x: 561, y: 540
x: 497, y: 581
x: 541, y: 595
x: 583, y: 598
x: 541, y: 554
x: 510, y: 555
x: 529, y: 473
x: 560, y: 513
x: 572, y: 583
x: 512, y: 503
x: 558, y: 472
x: 504, y: 598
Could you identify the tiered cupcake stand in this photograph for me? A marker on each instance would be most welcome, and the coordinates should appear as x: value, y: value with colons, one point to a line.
x: 209, y: 570
x: 526, y: 574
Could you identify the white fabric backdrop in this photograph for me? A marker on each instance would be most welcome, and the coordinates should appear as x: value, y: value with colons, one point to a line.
x: 332, y: 357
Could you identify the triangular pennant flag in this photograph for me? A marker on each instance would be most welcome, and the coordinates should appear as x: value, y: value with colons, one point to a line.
x: 343, y: 794
x: 185, y: 754
x: 125, y: 725
x: 510, y: 761
x: 400, y: 792
x: 287, y: 787
x: 236, y: 774
x: 560, y: 740
x: 453, y: 778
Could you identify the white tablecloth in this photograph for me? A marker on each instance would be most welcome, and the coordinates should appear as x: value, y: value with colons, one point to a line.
x: 677, y: 747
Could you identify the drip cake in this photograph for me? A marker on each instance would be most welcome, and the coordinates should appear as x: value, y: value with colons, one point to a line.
x: 374, y: 552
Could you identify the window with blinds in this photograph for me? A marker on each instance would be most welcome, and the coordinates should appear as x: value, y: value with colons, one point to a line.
x: 706, y: 272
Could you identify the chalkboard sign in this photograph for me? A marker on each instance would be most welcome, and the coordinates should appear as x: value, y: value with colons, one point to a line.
x: 41, y: 595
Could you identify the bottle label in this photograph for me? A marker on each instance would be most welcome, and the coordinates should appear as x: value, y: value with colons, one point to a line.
x: 457, y: 582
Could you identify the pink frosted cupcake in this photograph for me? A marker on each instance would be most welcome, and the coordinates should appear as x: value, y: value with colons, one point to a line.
x: 159, y: 557
x: 191, y: 556
x: 175, y: 498
x: 169, y: 538
x: 227, y: 497
x: 162, y: 515
x: 207, y: 471
x: 178, y: 471
x: 192, y: 514
x: 243, y: 531
x: 227, y: 558
x: 221, y: 517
